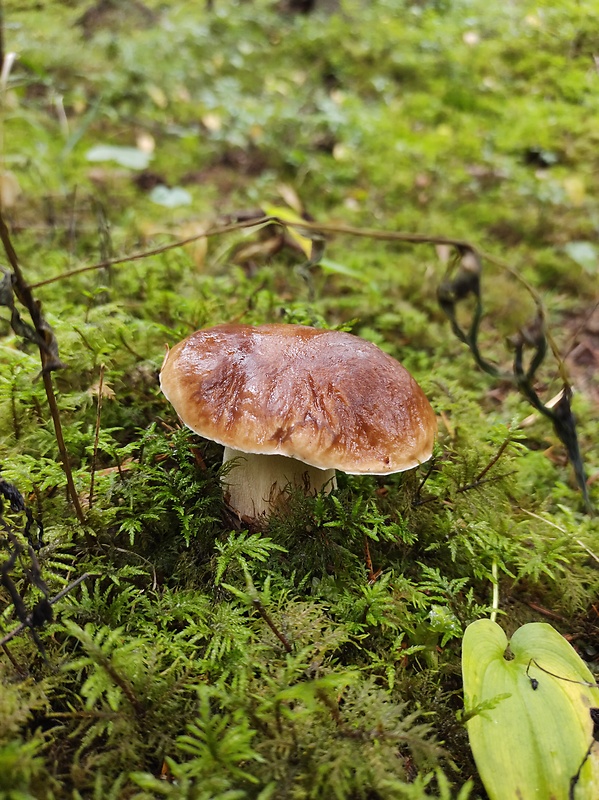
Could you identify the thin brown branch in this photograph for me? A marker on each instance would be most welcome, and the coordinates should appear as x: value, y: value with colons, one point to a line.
x: 475, y: 484
x: 546, y: 612
x: 49, y: 359
x: 14, y: 661
x: 319, y: 228
x: 103, y: 661
x: 94, y: 714
x: 145, y: 561
x: 561, y: 530
x: 128, y: 347
x: 62, y: 448
x: 494, y: 460
x: 96, y: 435
x: 16, y: 425
x: 333, y: 708
x: 368, y: 557
x: 429, y: 471
x: 371, y: 233
x: 372, y: 575
x: 154, y: 252
x: 267, y: 618
x: 571, y: 344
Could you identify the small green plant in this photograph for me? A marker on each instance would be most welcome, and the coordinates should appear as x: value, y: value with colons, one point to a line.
x: 316, y: 656
x: 532, y: 707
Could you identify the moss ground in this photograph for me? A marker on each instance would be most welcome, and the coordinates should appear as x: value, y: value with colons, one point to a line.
x: 318, y: 656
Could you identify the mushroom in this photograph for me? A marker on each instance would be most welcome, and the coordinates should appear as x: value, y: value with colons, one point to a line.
x: 292, y: 404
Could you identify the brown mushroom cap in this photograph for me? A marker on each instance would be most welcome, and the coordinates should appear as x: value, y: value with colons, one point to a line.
x: 324, y: 397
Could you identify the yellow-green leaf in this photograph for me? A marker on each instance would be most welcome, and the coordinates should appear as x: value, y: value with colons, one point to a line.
x: 531, y: 733
x: 287, y: 215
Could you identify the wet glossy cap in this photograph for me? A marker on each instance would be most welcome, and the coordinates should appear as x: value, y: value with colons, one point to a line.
x: 327, y: 398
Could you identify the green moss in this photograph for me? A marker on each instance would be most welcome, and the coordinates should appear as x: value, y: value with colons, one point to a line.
x: 316, y: 655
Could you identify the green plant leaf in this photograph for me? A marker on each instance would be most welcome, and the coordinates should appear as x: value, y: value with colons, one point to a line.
x: 535, y: 739
x: 287, y: 215
x: 337, y: 268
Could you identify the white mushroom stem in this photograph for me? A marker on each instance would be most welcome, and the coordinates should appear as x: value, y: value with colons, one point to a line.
x: 257, y: 484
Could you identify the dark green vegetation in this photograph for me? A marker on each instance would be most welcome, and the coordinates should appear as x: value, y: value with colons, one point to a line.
x: 199, y: 659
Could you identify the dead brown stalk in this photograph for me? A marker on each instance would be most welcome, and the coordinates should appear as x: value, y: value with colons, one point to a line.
x: 45, y: 341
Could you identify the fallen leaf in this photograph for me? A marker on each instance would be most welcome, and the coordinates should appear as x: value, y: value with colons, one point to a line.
x: 131, y: 157
x: 170, y: 197
x: 197, y: 249
x: 107, y: 390
x: 10, y: 190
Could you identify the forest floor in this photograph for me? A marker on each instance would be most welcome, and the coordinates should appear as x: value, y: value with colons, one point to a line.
x: 317, y: 654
